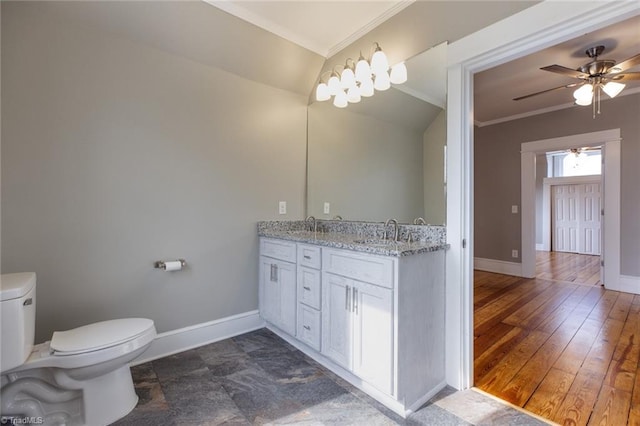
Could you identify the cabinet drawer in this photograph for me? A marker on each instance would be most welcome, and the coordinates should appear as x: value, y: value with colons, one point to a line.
x: 309, y: 326
x: 368, y: 268
x: 309, y: 256
x: 309, y: 286
x: 278, y: 249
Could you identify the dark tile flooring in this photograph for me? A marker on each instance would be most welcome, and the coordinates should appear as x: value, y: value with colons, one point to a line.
x: 258, y: 378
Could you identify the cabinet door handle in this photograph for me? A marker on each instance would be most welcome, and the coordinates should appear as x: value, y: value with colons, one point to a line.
x: 306, y: 327
x: 306, y: 288
x: 306, y: 256
x: 274, y: 273
x: 347, y: 297
x: 355, y: 300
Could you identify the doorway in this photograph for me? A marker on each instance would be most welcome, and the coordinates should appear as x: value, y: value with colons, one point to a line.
x: 540, y: 26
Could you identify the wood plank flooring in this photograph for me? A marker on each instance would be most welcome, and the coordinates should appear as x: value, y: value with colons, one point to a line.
x: 559, y: 345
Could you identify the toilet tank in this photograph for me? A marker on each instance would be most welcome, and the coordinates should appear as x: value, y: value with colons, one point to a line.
x: 18, y: 314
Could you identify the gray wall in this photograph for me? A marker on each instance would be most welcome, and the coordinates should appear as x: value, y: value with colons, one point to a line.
x: 497, y: 174
x: 368, y: 169
x: 116, y: 154
x: 434, y: 141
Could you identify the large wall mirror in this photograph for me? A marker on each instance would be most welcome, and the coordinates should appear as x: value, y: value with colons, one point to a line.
x: 383, y: 157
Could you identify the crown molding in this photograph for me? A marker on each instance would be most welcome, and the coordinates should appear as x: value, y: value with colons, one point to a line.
x: 392, y: 11
x: 234, y: 8
x: 543, y: 110
x: 238, y: 11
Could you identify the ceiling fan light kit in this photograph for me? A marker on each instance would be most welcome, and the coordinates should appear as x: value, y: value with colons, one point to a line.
x: 360, y: 79
x: 599, y: 75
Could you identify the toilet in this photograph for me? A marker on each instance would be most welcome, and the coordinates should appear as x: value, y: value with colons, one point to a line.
x: 79, y: 377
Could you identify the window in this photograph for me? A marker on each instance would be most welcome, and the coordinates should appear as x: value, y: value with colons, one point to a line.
x: 576, y: 162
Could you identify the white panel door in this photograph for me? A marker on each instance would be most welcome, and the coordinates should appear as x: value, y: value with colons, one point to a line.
x: 576, y: 218
x: 589, y: 238
x: 336, y: 319
x: 565, y: 215
x: 373, y: 335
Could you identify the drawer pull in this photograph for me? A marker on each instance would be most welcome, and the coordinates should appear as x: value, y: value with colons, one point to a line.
x: 306, y: 327
x: 306, y: 288
x: 347, y: 291
x: 274, y: 273
x: 306, y: 256
x: 355, y: 301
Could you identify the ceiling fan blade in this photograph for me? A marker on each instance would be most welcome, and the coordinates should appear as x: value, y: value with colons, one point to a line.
x: 559, y: 69
x: 566, y: 86
x: 624, y: 77
x: 625, y: 65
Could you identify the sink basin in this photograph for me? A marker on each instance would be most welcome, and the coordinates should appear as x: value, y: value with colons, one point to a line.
x: 376, y: 242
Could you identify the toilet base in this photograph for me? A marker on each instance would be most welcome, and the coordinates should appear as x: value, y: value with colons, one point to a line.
x: 56, y: 398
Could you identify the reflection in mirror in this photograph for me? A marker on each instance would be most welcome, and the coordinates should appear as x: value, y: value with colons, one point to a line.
x: 383, y: 157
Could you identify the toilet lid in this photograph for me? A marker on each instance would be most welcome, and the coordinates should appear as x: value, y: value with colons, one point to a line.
x: 99, y: 335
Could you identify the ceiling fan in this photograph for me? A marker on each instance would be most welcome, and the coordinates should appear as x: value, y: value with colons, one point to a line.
x: 597, y: 75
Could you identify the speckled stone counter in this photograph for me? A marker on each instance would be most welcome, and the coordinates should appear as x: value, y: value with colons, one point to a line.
x: 367, y: 237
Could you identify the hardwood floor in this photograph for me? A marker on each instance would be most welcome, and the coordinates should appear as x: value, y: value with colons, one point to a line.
x: 561, y: 349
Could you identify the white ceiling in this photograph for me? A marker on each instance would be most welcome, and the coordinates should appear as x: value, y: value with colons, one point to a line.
x: 494, y: 89
x: 322, y: 26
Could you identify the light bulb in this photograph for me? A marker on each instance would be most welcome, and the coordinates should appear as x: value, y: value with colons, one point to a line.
x: 399, y: 73
x: 322, y: 92
x: 347, y: 79
x: 366, y: 87
x: 612, y: 88
x: 382, y: 81
x: 584, y: 95
x: 363, y: 70
x: 353, y: 94
x: 379, y: 62
x: 340, y: 99
x: 334, y: 85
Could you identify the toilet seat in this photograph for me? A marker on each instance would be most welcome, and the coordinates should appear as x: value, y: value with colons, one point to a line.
x: 98, y: 336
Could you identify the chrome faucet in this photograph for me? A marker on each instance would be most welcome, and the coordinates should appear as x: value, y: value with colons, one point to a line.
x: 419, y: 221
x: 395, y: 229
x: 313, y: 225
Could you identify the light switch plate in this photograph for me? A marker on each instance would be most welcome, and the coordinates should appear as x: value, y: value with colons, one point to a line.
x: 514, y: 254
x: 282, y: 207
x: 327, y: 208
x: 514, y: 209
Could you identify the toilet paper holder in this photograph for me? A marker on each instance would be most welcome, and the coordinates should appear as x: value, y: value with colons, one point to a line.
x: 162, y: 264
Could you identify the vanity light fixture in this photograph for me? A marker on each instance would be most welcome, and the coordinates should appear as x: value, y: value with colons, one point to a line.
x: 360, y: 79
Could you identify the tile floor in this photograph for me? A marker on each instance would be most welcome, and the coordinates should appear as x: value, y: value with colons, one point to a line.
x: 258, y: 378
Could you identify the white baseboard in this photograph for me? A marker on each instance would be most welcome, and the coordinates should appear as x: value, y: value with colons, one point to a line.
x: 498, y: 266
x: 626, y: 283
x: 182, y: 339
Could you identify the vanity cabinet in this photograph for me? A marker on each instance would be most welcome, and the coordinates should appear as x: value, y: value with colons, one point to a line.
x: 375, y: 320
x: 278, y: 284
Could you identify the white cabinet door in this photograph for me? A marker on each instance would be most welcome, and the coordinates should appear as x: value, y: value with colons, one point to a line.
x: 336, y: 319
x: 278, y: 293
x: 373, y: 335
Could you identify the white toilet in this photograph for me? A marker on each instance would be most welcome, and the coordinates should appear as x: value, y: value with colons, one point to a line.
x: 80, y: 377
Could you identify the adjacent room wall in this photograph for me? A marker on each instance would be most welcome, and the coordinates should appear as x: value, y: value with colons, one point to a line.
x: 497, y: 174
x: 434, y: 141
x: 541, y: 173
x: 116, y: 154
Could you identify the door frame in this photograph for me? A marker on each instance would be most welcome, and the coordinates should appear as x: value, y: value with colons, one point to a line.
x: 535, y: 28
x: 609, y: 140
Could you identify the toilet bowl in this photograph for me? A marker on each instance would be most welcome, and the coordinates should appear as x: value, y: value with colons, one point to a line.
x: 79, y: 377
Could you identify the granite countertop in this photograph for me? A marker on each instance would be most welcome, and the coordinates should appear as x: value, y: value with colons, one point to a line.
x: 355, y: 242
